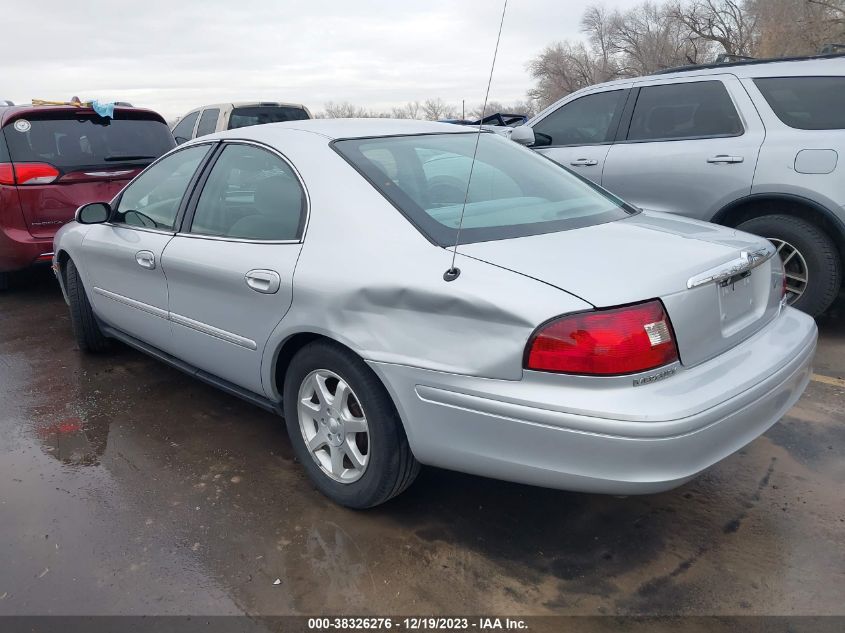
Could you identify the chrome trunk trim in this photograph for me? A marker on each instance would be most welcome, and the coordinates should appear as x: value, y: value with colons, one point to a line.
x: 747, y: 260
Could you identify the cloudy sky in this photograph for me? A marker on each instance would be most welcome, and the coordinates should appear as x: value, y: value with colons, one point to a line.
x: 178, y: 54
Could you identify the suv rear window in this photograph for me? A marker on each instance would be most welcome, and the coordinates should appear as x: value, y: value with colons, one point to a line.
x: 257, y: 115
x: 513, y: 191
x: 806, y: 103
x: 71, y: 142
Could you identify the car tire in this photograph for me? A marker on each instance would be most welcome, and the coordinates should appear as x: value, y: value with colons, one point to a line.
x: 816, y: 251
x: 390, y: 466
x: 88, y: 336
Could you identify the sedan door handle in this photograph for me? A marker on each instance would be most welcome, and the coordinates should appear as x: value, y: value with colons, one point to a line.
x: 584, y: 162
x: 725, y: 159
x: 266, y: 282
x: 146, y: 259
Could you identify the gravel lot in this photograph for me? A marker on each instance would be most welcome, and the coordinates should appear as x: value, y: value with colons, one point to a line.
x: 128, y: 488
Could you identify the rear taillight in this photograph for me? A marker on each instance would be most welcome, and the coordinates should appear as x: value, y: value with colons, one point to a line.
x: 35, y: 173
x: 7, y: 174
x: 27, y: 173
x: 610, y: 342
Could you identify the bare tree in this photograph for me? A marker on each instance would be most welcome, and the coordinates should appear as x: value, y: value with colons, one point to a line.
x: 660, y: 34
x: 835, y: 7
x: 527, y: 108
x: 411, y: 110
x: 436, y: 109
x: 725, y: 22
x: 649, y: 38
x: 563, y: 68
x: 794, y: 27
x: 599, y: 26
x: 640, y: 41
x: 835, y: 14
x: 344, y: 110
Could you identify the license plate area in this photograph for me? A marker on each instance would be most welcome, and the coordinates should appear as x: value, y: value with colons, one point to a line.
x: 737, y: 300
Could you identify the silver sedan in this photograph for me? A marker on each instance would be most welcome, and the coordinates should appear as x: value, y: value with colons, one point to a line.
x: 575, y: 342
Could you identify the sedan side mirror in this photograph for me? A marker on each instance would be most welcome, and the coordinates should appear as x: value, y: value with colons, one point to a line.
x: 93, y: 213
x: 523, y: 135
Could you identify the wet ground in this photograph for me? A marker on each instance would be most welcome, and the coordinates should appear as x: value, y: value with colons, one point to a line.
x: 128, y: 488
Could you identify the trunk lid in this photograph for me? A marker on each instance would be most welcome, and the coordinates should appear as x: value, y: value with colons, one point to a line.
x: 650, y: 256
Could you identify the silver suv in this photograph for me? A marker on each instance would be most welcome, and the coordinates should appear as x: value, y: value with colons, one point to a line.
x: 753, y: 145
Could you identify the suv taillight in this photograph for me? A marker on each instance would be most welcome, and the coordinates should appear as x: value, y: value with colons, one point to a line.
x: 27, y: 173
x: 610, y: 342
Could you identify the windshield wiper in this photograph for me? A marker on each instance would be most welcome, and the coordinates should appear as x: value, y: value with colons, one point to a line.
x: 117, y: 157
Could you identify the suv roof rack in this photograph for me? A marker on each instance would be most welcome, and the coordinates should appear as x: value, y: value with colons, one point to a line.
x: 726, y: 58
x: 750, y: 61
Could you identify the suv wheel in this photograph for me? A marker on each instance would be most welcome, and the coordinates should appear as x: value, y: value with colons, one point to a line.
x: 88, y: 336
x: 344, y: 427
x: 810, y: 257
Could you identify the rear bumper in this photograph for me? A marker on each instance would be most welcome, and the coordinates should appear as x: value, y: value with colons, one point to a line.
x: 19, y: 250
x: 524, y: 431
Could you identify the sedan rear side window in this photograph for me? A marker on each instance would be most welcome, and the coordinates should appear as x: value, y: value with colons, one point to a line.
x: 250, y: 194
x: 152, y: 200
x: 806, y: 103
x: 513, y: 191
x: 699, y: 109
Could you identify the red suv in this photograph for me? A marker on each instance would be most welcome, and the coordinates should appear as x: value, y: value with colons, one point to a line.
x: 54, y: 159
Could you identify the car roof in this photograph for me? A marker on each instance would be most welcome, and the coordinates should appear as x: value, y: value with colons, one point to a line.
x: 809, y: 66
x: 348, y: 128
x: 10, y: 113
x: 769, y: 67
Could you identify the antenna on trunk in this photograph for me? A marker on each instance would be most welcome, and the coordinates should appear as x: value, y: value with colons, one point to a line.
x: 453, y: 273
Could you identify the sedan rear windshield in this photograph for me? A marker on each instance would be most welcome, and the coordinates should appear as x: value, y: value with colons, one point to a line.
x: 256, y: 115
x: 73, y: 142
x: 513, y: 191
x: 806, y: 103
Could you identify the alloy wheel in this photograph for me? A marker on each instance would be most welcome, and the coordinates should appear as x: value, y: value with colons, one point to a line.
x: 795, y: 266
x: 334, y: 426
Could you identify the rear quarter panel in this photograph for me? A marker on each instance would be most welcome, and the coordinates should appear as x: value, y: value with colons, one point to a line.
x: 776, y: 167
x: 368, y: 279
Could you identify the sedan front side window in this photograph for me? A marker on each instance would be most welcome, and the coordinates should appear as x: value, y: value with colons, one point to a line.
x: 153, y: 199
